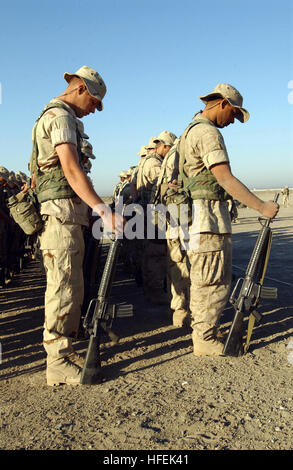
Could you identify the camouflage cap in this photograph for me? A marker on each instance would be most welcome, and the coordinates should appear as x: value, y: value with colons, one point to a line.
x: 87, y: 149
x: 21, y: 176
x: 143, y: 151
x: 92, y: 80
x: 12, y: 176
x: 87, y: 166
x: 224, y: 90
x: 151, y: 144
x: 4, y: 173
x: 166, y: 138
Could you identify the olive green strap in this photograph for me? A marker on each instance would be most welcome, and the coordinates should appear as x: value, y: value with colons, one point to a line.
x: 182, y: 158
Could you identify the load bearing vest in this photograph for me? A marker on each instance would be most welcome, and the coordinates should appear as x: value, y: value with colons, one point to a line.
x: 204, y: 185
x: 51, y: 184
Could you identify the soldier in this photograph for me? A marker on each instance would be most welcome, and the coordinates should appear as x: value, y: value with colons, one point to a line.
x: 142, y: 154
x: 65, y: 193
x: 285, y: 193
x: 15, y: 233
x: 87, y: 153
x: 177, y: 268
x: 154, y: 251
x: 207, y: 175
x: 122, y: 175
x: 135, y: 247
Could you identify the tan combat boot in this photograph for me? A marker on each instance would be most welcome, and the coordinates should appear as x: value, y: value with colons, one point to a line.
x: 181, y: 318
x: 64, y: 366
x: 208, y: 345
x: 63, y: 371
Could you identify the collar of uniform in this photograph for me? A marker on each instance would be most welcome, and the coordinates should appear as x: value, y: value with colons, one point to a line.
x: 70, y: 110
x: 155, y: 155
x: 198, y: 117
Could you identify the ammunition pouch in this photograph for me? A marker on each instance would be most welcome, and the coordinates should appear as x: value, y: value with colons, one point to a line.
x: 179, y: 198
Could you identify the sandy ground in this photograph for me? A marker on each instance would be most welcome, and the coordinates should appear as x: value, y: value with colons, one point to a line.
x: 157, y: 396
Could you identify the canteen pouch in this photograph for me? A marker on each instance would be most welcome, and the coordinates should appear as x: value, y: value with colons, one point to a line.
x: 181, y: 199
x: 23, y: 210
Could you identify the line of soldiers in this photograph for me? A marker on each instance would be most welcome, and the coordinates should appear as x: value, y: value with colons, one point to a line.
x: 193, y: 280
x: 159, y: 265
x: 14, y: 244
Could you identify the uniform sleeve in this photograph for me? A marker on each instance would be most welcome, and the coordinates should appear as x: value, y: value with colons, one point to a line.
x: 61, y: 128
x: 212, y: 148
x: 152, y: 170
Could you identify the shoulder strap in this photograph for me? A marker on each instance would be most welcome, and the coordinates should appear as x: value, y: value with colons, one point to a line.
x: 34, y: 156
x: 182, y: 158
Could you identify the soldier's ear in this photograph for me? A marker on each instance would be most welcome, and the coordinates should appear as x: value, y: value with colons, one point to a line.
x: 81, y: 89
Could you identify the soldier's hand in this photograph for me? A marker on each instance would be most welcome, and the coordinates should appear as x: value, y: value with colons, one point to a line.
x: 25, y: 188
x: 33, y: 181
x: 113, y: 221
x: 270, y: 209
x: 118, y: 224
x: 173, y: 185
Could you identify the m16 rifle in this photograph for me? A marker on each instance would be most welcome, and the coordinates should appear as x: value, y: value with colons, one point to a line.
x: 100, y: 316
x: 250, y: 289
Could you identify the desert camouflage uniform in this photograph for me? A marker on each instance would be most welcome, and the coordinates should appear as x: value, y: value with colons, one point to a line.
x: 285, y: 192
x: 154, y: 251
x: 177, y: 268
x: 135, y: 247
x: 211, y: 261
x: 15, y: 233
x: 61, y: 240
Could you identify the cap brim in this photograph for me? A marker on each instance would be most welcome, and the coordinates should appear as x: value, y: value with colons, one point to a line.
x: 242, y: 115
x: 169, y: 144
x: 210, y: 96
x: 89, y: 86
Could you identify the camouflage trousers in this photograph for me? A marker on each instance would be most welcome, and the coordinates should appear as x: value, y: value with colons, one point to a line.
x: 210, y: 280
x: 153, y: 265
x: 178, y: 276
x: 62, y: 247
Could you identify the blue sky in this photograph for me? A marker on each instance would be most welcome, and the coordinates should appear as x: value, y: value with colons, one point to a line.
x: 156, y: 58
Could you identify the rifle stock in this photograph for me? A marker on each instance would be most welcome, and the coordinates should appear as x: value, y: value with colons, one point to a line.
x: 246, y: 301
